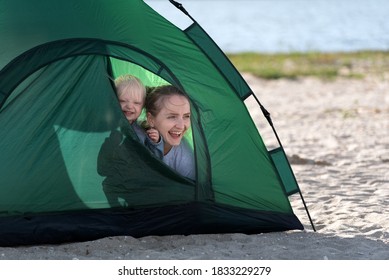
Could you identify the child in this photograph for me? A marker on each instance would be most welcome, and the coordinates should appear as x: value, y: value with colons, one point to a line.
x: 117, y: 160
x: 131, y: 94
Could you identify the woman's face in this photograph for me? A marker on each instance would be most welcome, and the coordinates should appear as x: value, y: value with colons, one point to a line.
x: 172, y: 121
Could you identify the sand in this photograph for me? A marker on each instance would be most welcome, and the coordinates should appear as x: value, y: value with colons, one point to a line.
x: 336, y: 135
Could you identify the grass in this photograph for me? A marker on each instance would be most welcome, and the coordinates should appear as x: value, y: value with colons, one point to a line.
x: 314, y: 64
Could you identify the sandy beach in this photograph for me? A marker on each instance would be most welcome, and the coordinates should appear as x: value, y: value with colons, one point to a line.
x: 336, y: 134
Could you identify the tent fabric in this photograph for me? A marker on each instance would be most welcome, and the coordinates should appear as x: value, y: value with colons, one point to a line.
x: 209, y: 47
x: 281, y: 162
x: 58, y: 106
x: 180, y: 219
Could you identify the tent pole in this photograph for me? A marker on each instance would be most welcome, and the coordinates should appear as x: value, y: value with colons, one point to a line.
x: 268, y: 117
x: 182, y: 9
x: 264, y: 111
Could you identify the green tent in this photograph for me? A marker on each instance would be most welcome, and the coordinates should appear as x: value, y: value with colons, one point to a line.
x: 58, y: 105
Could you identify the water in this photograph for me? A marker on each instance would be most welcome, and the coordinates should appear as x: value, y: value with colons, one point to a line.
x: 287, y: 25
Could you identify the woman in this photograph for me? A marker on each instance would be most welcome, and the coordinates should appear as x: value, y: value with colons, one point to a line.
x: 168, y: 111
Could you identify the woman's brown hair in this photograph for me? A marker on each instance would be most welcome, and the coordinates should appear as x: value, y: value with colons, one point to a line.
x: 156, y: 97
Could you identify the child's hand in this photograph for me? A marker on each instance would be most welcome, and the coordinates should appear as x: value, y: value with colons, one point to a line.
x: 153, y: 134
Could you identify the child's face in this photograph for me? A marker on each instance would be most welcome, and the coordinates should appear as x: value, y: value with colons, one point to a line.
x: 131, y: 104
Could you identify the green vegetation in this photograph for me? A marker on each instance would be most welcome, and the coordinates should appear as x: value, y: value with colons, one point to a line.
x: 321, y: 65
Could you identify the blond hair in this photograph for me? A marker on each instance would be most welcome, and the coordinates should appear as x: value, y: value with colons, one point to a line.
x: 131, y: 84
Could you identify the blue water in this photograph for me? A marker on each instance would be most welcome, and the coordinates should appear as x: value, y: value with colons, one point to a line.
x: 287, y: 25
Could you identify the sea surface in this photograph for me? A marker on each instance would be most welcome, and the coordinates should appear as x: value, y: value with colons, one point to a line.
x: 272, y: 26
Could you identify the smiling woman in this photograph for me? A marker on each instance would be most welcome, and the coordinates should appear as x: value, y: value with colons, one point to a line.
x: 168, y: 111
